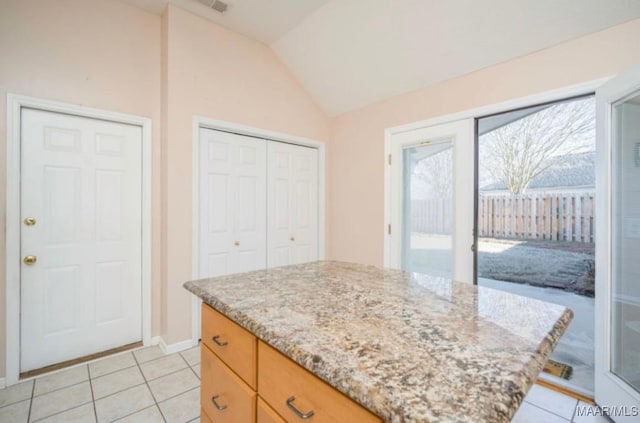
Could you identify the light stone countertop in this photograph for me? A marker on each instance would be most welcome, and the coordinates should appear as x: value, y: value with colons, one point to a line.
x: 408, y: 347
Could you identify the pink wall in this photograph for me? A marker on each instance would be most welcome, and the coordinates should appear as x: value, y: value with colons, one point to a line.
x: 96, y: 53
x: 221, y: 75
x: 357, y: 158
x: 109, y: 55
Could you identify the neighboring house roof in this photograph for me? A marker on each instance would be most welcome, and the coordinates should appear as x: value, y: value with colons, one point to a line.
x: 571, y: 170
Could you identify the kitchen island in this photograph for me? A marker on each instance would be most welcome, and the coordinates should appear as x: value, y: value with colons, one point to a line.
x: 407, y: 347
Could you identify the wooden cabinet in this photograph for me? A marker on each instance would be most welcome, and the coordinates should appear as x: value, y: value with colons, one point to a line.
x: 236, y: 347
x: 246, y: 380
x: 266, y: 414
x: 296, y: 394
x: 223, y: 395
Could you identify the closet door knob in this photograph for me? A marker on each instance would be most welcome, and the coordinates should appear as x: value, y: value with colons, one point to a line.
x: 292, y: 238
x: 237, y: 243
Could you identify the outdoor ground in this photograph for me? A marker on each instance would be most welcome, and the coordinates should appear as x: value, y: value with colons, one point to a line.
x: 576, y: 345
x: 568, y: 266
x: 556, y: 272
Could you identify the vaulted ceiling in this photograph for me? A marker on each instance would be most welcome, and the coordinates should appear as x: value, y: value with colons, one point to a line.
x: 351, y: 53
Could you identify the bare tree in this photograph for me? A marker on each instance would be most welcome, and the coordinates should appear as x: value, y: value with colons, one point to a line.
x: 519, y: 151
x: 435, y: 174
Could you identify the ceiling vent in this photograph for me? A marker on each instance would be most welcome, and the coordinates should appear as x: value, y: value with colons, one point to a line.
x: 217, y: 5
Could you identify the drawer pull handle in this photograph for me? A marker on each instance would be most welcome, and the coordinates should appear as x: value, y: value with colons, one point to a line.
x: 303, y: 416
x: 220, y: 344
x: 215, y: 403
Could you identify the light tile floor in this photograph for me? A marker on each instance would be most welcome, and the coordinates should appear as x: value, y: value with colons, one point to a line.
x: 140, y: 386
x: 545, y: 405
x: 147, y: 386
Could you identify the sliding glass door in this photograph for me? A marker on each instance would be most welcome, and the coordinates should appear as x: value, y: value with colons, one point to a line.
x: 536, y: 220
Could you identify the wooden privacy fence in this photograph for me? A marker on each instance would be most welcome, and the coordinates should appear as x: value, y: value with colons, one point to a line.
x: 557, y: 217
x: 432, y: 216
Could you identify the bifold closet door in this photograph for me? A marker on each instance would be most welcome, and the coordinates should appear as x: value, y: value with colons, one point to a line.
x: 233, y: 199
x: 292, y: 204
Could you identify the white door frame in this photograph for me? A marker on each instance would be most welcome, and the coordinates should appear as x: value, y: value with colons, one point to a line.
x: 220, y: 125
x: 389, y: 133
x: 12, y: 254
x: 457, y: 132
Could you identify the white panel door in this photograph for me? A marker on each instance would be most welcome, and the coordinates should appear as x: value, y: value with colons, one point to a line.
x: 292, y: 234
x: 232, y: 187
x: 81, y: 184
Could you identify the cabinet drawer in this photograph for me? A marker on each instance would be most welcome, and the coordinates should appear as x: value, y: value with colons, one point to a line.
x: 224, y: 397
x: 293, y: 391
x: 266, y: 413
x: 231, y: 343
x: 204, y: 418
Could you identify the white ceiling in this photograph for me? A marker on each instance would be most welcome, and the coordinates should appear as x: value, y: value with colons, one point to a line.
x: 351, y: 53
x: 262, y: 20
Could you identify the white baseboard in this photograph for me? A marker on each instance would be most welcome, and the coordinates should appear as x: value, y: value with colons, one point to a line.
x: 176, y: 347
x: 3, y: 383
x: 153, y: 341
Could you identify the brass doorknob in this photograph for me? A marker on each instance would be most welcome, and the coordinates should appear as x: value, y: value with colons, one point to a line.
x: 29, y: 221
x: 292, y: 238
x: 237, y: 243
x: 29, y: 260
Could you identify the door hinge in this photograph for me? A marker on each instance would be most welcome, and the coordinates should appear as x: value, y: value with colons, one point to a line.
x: 389, y: 159
x: 389, y: 229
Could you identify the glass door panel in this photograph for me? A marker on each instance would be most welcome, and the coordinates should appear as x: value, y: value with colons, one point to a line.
x: 625, y: 278
x: 617, y: 322
x: 429, y: 200
x: 427, y: 241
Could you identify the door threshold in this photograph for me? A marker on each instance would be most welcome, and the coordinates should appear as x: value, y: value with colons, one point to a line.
x: 69, y: 363
x: 565, y: 391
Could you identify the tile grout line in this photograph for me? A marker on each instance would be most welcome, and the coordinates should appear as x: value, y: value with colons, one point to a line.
x: 165, y: 375
x: 63, y: 411
x: 93, y: 397
x: 33, y: 390
x: 573, y: 416
x: 135, y: 412
x: 181, y: 393
x: 115, y: 371
x: 149, y: 387
x: 551, y: 412
x: 59, y: 389
x: 90, y: 379
x: 197, y: 375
